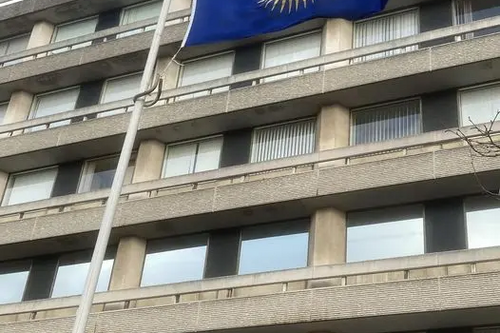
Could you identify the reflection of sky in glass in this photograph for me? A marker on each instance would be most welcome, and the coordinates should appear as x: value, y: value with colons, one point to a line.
x: 174, y: 266
x: 273, y: 253
x: 12, y: 287
x: 70, y: 279
x: 483, y: 228
x: 385, y: 240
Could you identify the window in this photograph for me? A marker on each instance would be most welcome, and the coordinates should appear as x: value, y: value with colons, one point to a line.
x: 206, y: 69
x: 479, y: 104
x: 483, y: 222
x: 98, y: 174
x: 385, y: 233
x: 274, y: 247
x: 289, y: 50
x: 284, y: 140
x: 72, y: 272
x: 3, y: 111
x: 191, y: 157
x: 13, y: 278
x: 386, y: 28
x: 138, y: 13
x: 119, y: 89
x: 174, y: 260
x: 466, y: 11
x: 53, y: 103
x: 74, y: 30
x: 30, y: 186
x: 13, y: 45
x: 386, y: 122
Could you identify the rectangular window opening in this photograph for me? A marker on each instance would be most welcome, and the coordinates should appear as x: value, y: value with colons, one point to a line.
x: 98, y: 174
x: 30, y: 186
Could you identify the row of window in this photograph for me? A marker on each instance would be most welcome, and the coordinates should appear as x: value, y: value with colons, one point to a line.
x: 376, y: 234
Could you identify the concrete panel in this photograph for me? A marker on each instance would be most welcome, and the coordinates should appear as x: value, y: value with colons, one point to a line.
x: 46, y: 326
x: 17, y: 231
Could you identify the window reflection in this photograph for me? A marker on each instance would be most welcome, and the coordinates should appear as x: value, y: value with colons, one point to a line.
x: 71, y: 275
x: 175, y: 260
x: 387, y: 233
x: 13, y: 278
x: 483, y: 222
x: 274, y: 247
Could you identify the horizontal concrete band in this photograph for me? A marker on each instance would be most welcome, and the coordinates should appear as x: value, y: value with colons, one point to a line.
x: 323, y: 304
x: 255, y: 76
x: 436, y: 138
x: 310, y: 274
x: 217, y: 197
x: 43, y: 51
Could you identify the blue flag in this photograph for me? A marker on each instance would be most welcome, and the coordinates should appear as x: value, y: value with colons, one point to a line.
x: 224, y: 20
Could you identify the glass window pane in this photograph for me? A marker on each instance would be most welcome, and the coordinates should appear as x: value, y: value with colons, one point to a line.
x: 142, y: 12
x: 273, y: 248
x: 13, y: 45
x: 75, y: 29
x: 174, y: 262
x: 387, y: 122
x: 483, y: 222
x: 32, y: 186
x: 70, y: 279
x: 208, y: 155
x: 3, y: 111
x: 13, y: 278
x: 292, y: 49
x: 480, y: 104
x: 99, y: 174
x: 284, y: 140
x: 121, y: 88
x: 57, y: 102
x: 207, y: 69
x: 388, y: 233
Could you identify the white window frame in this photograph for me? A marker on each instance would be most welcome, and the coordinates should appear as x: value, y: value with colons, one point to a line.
x: 72, y: 47
x: 10, y: 183
x: 403, y: 49
x: 295, y: 73
x: 164, y: 165
x: 135, y: 31
x: 83, y: 180
x: 103, y: 93
x: 282, y: 124
x: 34, y: 106
x: 11, y: 38
x: 459, y: 100
x: 363, y: 108
x: 206, y: 92
x: 140, y: 4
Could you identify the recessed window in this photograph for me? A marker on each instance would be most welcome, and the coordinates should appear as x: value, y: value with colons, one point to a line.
x: 290, y: 50
x: 13, y: 278
x: 386, y: 28
x: 274, y: 247
x: 175, y: 260
x: 98, y: 174
x: 483, y: 222
x: 54, y: 103
x: 479, y: 105
x: 30, y: 186
x: 283, y: 140
x: 140, y: 12
x: 72, y: 272
x: 73, y: 30
x: 121, y: 88
x: 3, y: 111
x: 386, y: 122
x: 191, y: 157
x: 13, y: 45
x: 385, y: 233
x: 467, y: 11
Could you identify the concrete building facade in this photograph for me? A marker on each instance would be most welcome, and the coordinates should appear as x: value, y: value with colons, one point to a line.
x: 303, y: 181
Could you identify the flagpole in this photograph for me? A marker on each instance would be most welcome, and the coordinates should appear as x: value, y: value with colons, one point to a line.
x: 101, y: 245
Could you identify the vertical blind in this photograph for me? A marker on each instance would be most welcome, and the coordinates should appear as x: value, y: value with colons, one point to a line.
x: 480, y: 104
x: 463, y: 11
x: 284, y: 140
x: 13, y: 45
x: 31, y: 186
x: 198, y: 156
x: 384, y: 29
x: 386, y: 122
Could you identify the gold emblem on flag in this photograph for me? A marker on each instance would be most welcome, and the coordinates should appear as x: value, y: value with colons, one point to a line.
x: 285, y: 5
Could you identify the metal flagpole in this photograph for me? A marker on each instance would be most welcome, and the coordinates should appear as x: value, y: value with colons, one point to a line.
x: 107, y: 220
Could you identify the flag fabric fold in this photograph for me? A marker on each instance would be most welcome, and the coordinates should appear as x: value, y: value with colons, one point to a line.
x: 224, y: 20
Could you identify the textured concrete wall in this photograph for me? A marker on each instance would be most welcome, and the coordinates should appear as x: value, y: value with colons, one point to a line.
x: 19, y: 107
x: 149, y: 161
x: 417, y: 297
x: 41, y: 34
x: 327, y: 242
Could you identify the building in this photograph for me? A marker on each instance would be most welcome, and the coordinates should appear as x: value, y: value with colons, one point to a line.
x: 302, y: 181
